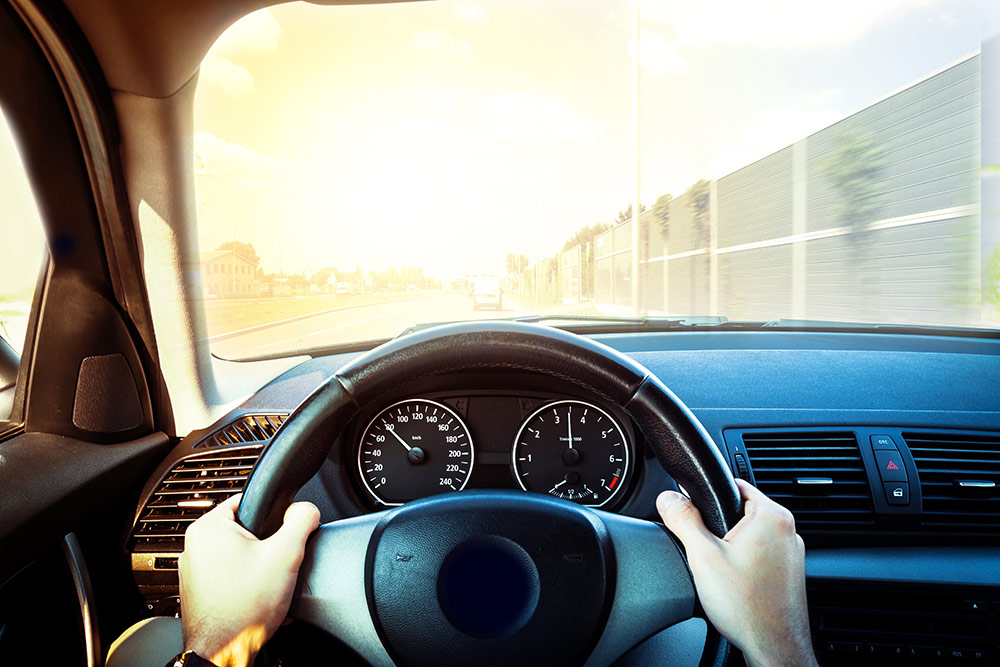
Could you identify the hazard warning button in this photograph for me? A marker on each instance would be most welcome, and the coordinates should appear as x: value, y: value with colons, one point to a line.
x: 890, y: 466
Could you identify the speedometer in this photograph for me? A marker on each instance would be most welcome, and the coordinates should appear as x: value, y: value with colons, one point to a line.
x: 412, y: 449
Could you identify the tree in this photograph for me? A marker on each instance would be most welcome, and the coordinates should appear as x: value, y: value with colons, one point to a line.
x: 991, y: 280
x: 516, y: 263
x: 586, y: 234
x: 585, y: 237
x: 698, y: 198
x: 661, y: 211
x: 626, y: 215
x: 853, y: 170
x: 244, y: 250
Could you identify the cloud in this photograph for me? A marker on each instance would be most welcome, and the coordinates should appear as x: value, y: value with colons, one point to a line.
x: 657, y: 57
x: 470, y: 12
x: 773, y: 23
x: 441, y: 43
x: 215, y: 156
x: 944, y: 19
x: 233, y: 79
x: 258, y: 32
x: 821, y: 97
x: 772, y: 130
x: 529, y: 119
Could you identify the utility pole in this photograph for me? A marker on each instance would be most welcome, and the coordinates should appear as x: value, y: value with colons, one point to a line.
x: 636, y: 204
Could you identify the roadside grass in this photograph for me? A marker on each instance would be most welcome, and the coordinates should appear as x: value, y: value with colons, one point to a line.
x: 224, y: 316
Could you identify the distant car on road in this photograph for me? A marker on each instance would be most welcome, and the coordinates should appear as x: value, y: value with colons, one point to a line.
x: 486, y: 291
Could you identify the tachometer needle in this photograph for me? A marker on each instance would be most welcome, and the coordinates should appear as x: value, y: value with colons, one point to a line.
x: 569, y: 425
x: 401, y: 441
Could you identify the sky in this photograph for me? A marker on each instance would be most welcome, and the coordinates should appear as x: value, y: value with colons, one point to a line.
x: 440, y: 133
x: 444, y: 134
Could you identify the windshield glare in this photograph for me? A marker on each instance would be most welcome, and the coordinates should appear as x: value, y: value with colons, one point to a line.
x: 362, y: 170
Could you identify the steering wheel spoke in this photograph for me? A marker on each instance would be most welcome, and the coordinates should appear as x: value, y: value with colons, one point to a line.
x: 653, y: 586
x: 331, y: 588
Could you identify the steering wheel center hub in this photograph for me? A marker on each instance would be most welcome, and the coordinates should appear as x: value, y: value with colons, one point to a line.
x: 488, y: 587
x: 458, y: 575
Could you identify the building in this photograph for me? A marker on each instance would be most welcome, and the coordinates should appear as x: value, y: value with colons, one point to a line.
x: 225, y: 275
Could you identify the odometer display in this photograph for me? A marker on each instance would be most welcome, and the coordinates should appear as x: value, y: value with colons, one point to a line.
x: 572, y: 450
x: 412, y: 449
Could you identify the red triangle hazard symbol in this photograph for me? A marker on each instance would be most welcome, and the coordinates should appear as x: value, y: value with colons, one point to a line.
x: 892, y: 465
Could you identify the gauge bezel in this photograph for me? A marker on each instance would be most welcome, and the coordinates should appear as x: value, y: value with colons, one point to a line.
x: 626, y: 445
x: 379, y: 413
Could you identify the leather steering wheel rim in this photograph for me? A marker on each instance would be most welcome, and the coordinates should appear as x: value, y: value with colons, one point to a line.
x: 676, y: 436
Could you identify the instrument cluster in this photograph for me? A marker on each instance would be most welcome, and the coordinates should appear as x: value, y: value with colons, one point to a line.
x: 566, y: 447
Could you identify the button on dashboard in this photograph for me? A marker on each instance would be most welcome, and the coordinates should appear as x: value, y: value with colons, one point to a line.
x: 890, y: 466
x: 883, y: 442
x: 897, y: 493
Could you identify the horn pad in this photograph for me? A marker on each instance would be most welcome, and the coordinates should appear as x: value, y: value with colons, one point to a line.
x: 508, y: 577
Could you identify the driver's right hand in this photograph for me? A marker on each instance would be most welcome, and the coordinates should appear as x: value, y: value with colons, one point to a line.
x: 751, y: 582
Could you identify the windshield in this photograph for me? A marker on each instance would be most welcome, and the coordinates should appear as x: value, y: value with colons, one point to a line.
x: 366, y: 169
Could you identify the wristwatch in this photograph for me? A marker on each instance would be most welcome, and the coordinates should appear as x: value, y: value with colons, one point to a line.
x: 189, y: 659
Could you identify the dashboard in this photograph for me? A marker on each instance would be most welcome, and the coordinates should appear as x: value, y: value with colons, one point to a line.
x: 885, y: 447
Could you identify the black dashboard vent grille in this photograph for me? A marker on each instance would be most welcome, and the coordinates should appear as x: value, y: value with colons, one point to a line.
x: 959, y: 480
x: 246, y: 429
x: 192, y: 487
x: 819, y: 476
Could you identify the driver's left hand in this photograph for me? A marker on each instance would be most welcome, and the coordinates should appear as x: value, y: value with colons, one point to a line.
x: 236, y: 589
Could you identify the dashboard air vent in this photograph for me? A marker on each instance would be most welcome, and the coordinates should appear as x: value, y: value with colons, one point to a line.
x: 959, y: 480
x: 820, y: 477
x: 192, y: 487
x: 246, y: 429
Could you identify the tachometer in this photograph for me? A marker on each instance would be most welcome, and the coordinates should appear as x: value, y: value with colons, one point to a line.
x: 412, y: 449
x: 572, y: 450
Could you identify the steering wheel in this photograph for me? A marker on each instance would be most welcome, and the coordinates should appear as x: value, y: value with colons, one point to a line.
x: 494, y: 577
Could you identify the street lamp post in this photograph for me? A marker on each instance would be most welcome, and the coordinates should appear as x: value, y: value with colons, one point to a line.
x: 538, y: 241
x: 636, y: 309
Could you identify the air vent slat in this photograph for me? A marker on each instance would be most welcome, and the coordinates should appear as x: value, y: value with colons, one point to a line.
x: 199, y: 482
x: 944, y: 461
x: 780, y: 460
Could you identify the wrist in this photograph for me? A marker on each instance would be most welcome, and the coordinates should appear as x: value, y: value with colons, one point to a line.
x: 222, y: 649
x: 799, y: 655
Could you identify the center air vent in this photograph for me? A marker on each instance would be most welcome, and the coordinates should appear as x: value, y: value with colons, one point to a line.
x: 959, y: 480
x: 200, y: 481
x: 819, y: 476
x: 191, y: 488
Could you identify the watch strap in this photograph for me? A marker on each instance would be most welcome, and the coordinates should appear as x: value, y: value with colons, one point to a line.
x: 189, y: 659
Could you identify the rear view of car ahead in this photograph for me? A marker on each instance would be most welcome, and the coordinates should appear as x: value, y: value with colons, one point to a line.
x: 487, y: 293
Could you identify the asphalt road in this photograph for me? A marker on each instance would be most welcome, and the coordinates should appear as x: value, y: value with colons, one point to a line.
x: 369, y: 322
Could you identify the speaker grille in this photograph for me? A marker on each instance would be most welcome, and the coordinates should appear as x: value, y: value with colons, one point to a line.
x: 106, y: 398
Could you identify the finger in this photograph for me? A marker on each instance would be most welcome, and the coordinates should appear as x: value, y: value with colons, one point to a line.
x: 226, y: 509
x: 750, y: 492
x: 301, y: 519
x: 684, y: 520
x: 765, y: 513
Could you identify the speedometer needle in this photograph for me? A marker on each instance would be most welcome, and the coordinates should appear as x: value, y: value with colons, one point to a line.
x: 401, y: 441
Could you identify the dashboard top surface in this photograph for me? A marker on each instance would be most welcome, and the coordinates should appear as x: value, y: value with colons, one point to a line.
x: 779, y: 371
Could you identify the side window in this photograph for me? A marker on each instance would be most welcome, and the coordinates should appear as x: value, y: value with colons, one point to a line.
x: 22, y: 250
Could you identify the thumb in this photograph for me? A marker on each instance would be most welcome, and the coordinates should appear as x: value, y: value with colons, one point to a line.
x: 301, y: 519
x: 683, y: 519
